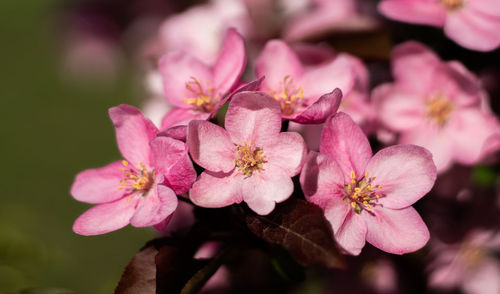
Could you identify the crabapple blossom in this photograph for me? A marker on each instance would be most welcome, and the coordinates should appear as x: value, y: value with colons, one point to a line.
x: 196, y: 88
x: 436, y: 105
x: 367, y: 197
x: 141, y: 189
x: 302, y: 91
x: 250, y: 160
x: 472, y: 24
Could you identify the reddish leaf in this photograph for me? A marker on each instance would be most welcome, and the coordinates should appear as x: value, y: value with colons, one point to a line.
x: 140, y: 274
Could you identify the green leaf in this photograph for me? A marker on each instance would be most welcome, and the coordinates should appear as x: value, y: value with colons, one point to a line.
x: 301, y: 228
x: 45, y: 291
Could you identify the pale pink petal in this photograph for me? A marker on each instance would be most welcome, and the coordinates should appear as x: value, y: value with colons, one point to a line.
x: 98, y: 185
x: 107, y: 217
x: 473, y: 30
x: 320, y: 110
x: 133, y: 133
x: 155, y: 207
x: 321, y: 179
x: 288, y: 151
x: 178, y: 68
x: 448, y: 272
x: 406, y: 173
x: 490, y: 7
x: 484, y: 279
x: 180, y: 116
x: 351, y: 234
x: 231, y: 62
x: 253, y: 117
x: 170, y: 158
x: 344, y: 141
x: 276, y: 61
x: 414, y: 11
x: 214, y: 190
x: 210, y: 146
x: 265, y: 188
x: 324, y: 78
x: 396, y: 231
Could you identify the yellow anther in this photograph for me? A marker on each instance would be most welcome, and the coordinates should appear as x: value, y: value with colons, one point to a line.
x: 353, y: 175
x: 367, y: 175
x: 439, y: 109
x: 353, y: 204
x: 125, y: 163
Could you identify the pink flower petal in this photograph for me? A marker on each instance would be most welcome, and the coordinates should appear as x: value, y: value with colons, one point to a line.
x: 288, y: 151
x: 414, y: 11
x: 181, y: 116
x: 170, y: 158
x: 107, y: 217
x: 210, y: 146
x: 253, y: 117
x: 177, y: 68
x: 214, y: 190
x: 351, y: 234
x: 473, y: 30
x: 155, y: 207
x: 484, y: 279
x: 322, y: 79
x: 344, y: 141
x: 264, y: 189
x: 177, y: 132
x: 231, y: 62
x: 98, y: 185
x: 490, y: 7
x: 320, y: 110
x: 406, y: 173
x: 321, y: 179
x: 276, y: 61
x: 133, y: 133
x: 396, y: 231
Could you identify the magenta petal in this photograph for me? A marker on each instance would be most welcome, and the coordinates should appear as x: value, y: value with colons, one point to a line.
x: 170, y: 158
x: 231, y: 62
x: 344, y: 141
x: 406, y: 173
x: 396, y: 231
x: 276, y: 61
x: 264, y: 189
x: 180, y: 116
x: 155, y: 207
x: 320, y: 110
x: 214, y: 190
x: 107, y: 217
x: 210, y: 146
x: 351, y: 234
x: 177, y: 68
x: 288, y: 152
x: 414, y: 11
x: 177, y: 132
x: 253, y: 117
x: 98, y: 185
x: 133, y: 133
x: 321, y: 179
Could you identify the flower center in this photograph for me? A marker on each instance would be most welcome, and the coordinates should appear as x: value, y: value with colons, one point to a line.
x: 452, y: 4
x: 439, y: 109
x: 136, y: 180
x: 249, y: 158
x: 288, y: 95
x: 361, y: 194
x: 202, y: 99
x: 471, y: 255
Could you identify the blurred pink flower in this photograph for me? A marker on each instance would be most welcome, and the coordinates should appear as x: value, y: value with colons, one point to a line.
x: 250, y: 160
x: 196, y: 88
x: 470, y: 265
x: 307, y: 94
x: 437, y: 105
x: 368, y: 197
x: 310, y: 18
x: 199, y: 31
x: 472, y: 24
x: 139, y: 190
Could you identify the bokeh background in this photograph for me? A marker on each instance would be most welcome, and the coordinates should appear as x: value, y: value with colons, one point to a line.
x: 51, y: 129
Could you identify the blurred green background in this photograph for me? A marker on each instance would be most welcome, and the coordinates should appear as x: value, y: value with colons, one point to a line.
x: 50, y: 131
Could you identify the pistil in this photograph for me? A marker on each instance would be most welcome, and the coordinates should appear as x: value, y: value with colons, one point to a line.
x: 361, y: 194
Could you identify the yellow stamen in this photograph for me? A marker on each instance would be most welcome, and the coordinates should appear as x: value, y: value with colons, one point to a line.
x: 439, y: 109
x: 249, y: 158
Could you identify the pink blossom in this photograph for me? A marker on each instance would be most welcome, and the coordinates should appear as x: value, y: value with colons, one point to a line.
x: 250, y: 160
x: 196, y: 88
x: 306, y: 93
x: 472, y: 24
x: 139, y: 190
x: 200, y: 30
x: 367, y: 197
x: 436, y: 105
x: 470, y: 265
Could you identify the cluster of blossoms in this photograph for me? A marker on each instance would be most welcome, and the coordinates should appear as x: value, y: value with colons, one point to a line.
x: 265, y: 122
